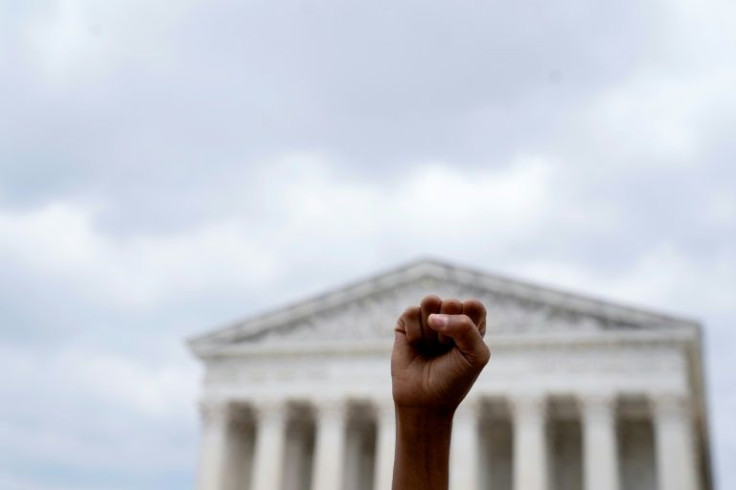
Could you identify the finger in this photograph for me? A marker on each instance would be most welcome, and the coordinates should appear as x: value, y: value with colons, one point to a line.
x: 430, y: 304
x: 477, y: 312
x: 407, y: 337
x: 466, y: 336
x: 449, y: 307
x: 409, y: 323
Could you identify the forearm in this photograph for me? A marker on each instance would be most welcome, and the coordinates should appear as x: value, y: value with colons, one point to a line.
x: 422, y: 450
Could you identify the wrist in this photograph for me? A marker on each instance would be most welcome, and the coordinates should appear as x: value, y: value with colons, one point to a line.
x: 422, y: 448
x: 423, y: 415
x: 423, y: 427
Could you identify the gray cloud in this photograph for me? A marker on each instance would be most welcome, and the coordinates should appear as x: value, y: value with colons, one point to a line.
x: 138, y: 111
x: 165, y: 168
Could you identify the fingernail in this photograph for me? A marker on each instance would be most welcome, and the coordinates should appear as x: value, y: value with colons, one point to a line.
x: 438, y: 320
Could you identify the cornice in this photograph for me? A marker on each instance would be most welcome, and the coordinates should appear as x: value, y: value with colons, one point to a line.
x: 680, y: 338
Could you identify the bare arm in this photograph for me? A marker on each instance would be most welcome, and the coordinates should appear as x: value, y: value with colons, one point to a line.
x: 438, y: 354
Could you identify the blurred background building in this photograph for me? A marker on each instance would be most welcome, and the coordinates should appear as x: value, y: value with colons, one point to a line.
x: 580, y: 393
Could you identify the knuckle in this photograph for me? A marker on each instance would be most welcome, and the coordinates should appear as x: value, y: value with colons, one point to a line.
x: 430, y: 300
x: 482, y: 355
x: 400, y: 322
x: 404, y: 319
x: 481, y: 307
x: 485, y: 354
x: 453, y: 303
x: 406, y: 312
x: 451, y: 306
x: 465, y: 321
x: 477, y: 307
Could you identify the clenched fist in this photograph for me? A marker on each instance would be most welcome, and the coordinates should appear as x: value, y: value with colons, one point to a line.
x: 438, y: 354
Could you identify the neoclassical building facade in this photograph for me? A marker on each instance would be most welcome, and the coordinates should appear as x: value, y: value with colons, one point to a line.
x: 580, y: 394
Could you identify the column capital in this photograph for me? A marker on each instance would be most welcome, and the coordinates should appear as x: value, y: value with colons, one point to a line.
x: 597, y: 405
x: 671, y: 405
x: 528, y: 405
x: 597, y: 399
x: 333, y: 408
x: 269, y: 410
x: 214, y: 411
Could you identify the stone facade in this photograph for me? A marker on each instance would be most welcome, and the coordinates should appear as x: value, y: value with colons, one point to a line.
x: 579, y: 394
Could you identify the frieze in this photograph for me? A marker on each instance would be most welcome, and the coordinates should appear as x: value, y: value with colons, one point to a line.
x: 374, y: 317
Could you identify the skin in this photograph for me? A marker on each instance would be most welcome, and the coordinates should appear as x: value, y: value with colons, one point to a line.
x: 438, y: 354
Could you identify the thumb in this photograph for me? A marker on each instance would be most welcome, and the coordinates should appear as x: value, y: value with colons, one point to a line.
x: 467, y: 337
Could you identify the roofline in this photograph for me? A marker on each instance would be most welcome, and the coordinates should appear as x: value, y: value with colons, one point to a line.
x: 686, y: 338
x: 431, y: 267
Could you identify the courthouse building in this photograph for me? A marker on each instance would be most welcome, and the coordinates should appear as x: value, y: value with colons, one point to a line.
x: 580, y: 394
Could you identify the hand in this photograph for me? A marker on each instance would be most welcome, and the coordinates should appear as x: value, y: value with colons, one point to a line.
x: 438, y: 354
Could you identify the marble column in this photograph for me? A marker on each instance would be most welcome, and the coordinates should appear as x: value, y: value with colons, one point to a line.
x: 530, y: 443
x: 600, y: 449
x: 677, y: 458
x: 329, y: 451
x: 464, y: 451
x: 213, y: 447
x: 386, y: 439
x: 268, y: 464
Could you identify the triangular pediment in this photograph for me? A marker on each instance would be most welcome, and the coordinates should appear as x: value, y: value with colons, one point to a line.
x: 367, y: 310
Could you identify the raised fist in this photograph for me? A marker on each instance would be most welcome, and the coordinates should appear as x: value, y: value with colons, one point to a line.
x: 438, y: 354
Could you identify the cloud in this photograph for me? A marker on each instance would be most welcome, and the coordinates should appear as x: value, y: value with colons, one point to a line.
x: 143, y: 102
x: 61, y: 239
x: 169, y: 167
x: 94, y: 419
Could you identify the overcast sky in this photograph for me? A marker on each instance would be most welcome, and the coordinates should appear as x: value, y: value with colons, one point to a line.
x: 169, y: 166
